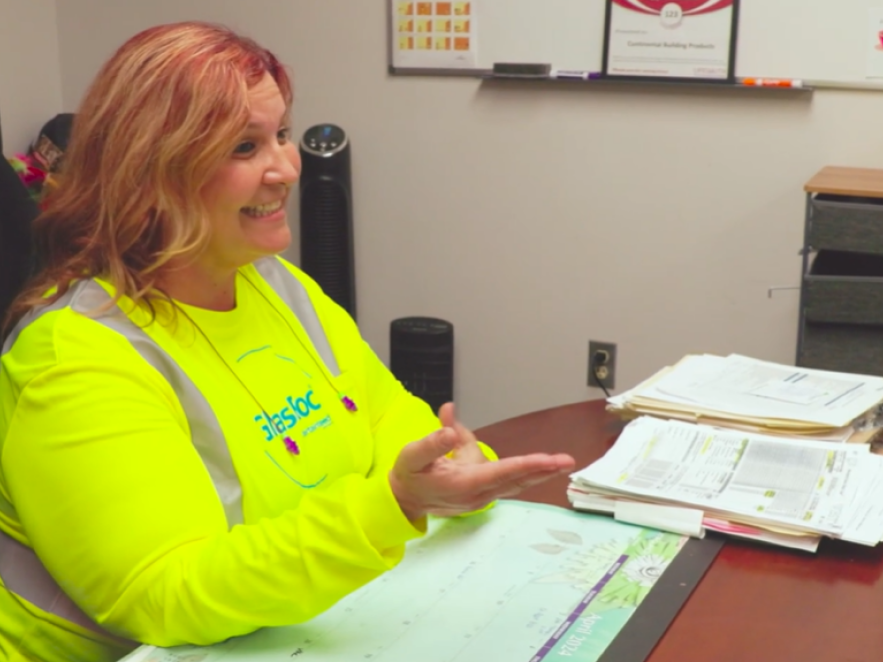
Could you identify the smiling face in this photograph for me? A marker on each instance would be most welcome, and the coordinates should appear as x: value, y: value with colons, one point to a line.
x: 247, y: 195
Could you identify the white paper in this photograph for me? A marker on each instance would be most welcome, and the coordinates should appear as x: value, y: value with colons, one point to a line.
x: 866, y: 522
x: 803, y: 543
x: 742, y: 386
x: 686, y: 521
x: 437, y: 35
x: 581, y: 499
x: 797, y: 485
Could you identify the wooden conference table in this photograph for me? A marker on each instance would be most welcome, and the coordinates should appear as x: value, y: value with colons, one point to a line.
x: 756, y: 602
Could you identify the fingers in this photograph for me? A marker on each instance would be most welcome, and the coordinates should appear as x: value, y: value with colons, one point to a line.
x: 506, y: 491
x: 515, y: 468
x: 418, y: 455
x: 564, y: 462
x: 509, y: 473
x: 517, y: 487
x: 467, y: 450
x: 447, y: 414
x: 423, y: 484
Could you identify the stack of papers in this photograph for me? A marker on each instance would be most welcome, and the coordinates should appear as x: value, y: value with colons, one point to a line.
x: 758, y: 396
x: 689, y: 478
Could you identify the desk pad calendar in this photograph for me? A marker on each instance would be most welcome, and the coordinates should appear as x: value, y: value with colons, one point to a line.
x: 522, y: 582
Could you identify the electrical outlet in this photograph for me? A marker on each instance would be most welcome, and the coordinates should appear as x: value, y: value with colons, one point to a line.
x: 605, y: 366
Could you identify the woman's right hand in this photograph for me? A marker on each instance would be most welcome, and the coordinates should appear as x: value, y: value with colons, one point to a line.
x: 425, y: 481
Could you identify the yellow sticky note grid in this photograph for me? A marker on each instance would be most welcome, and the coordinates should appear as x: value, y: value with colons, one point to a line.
x: 424, y: 43
x: 424, y: 25
x: 442, y: 43
x: 406, y: 25
x: 406, y: 43
x: 442, y: 25
x: 405, y: 9
x: 424, y: 9
x: 461, y: 25
x: 463, y: 8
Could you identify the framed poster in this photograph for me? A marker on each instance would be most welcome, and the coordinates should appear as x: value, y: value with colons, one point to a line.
x: 434, y: 34
x: 685, y: 40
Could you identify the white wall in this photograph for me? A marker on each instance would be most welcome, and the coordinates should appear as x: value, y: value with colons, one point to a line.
x: 535, y: 218
x: 30, y: 77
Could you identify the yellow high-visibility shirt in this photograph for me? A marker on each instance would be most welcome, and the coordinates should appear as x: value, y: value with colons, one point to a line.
x: 99, y: 476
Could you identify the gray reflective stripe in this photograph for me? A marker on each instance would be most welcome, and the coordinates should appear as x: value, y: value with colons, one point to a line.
x: 20, y: 569
x: 295, y: 296
x: 36, y: 314
x: 28, y: 319
x: 205, y: 430
x: 87, y: 297
x: 23, y: 574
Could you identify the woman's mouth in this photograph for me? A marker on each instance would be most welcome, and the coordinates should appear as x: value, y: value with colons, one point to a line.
x: 262, y: 211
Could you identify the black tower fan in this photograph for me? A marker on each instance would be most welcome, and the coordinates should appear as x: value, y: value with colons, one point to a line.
x: 326, y: 213
x: 422, y: 358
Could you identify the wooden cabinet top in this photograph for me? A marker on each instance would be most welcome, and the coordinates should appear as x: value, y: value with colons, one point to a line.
x: 838, y: 180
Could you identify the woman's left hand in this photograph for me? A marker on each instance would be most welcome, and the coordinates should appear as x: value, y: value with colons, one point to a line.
x: 467, y: 452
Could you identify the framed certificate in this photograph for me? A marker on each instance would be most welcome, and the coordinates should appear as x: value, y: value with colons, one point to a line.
x: 686, y: 40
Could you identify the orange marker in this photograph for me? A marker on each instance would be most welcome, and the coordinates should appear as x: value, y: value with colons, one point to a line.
x: 771, y: 82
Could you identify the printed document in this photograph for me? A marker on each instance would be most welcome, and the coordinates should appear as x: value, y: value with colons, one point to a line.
x: 780, y: 483
x: 760, y: 391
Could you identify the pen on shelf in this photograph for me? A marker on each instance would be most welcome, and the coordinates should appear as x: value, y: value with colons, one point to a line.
x: 575, y: 74
x: 771, y: 82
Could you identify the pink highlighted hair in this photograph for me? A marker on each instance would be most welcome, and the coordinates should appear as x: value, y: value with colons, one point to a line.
x: 162, y: 114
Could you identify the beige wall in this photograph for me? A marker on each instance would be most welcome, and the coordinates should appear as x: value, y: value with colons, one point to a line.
x: 534, y: 217
x: 30, y: 80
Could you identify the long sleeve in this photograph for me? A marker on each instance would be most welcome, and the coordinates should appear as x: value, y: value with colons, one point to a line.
x: 99, y: 463
x: 123, y: 513
x: 398, y: 417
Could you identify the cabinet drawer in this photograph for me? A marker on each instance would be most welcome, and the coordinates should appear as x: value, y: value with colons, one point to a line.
x: 842, y: 348
x: 843, y: 299
x: 845, y: 223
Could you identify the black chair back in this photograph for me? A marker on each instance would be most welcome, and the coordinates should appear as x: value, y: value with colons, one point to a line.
x: 17, y: 213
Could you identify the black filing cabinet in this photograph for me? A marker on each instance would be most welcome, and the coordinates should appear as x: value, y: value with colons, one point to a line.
x: 841, y: 293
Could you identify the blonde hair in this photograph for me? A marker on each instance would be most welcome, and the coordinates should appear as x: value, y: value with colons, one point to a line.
x: 161, y: 116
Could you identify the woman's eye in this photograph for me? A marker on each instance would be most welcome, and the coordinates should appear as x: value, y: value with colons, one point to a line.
x: 284, y: 135
x: 244, y: 148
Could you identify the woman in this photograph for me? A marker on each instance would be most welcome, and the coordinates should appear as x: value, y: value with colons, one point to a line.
x: 196, y: 442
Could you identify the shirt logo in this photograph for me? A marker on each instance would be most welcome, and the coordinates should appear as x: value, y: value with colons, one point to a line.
x: 297, y: 410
